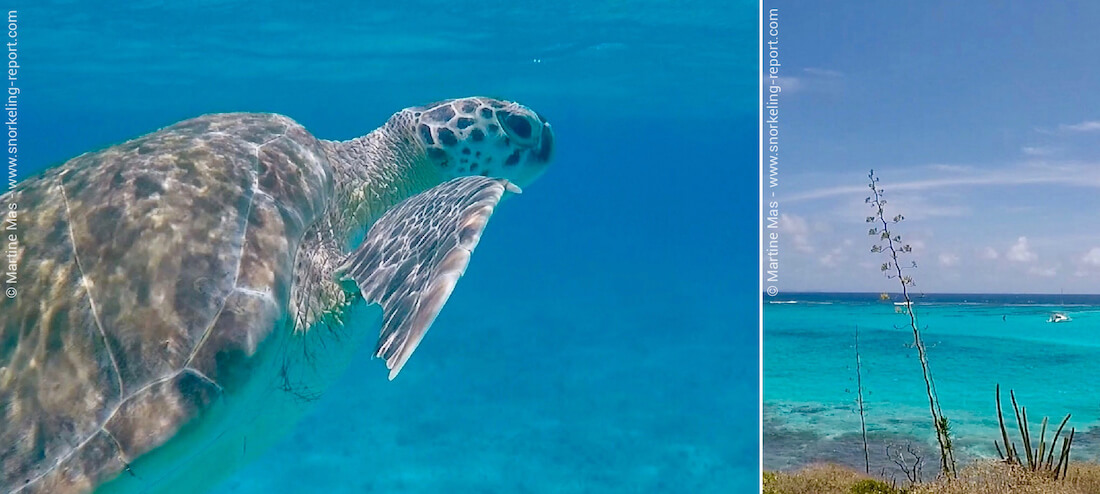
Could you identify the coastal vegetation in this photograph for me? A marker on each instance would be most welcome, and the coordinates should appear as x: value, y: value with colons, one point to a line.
x: 1027, y: 464
x: 985, y: 477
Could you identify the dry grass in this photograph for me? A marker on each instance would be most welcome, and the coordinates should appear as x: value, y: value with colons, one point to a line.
x: 978, y: 478
x: 815, y: 479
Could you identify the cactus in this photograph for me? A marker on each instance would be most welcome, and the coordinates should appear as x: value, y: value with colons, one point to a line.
x: 1041, y: 458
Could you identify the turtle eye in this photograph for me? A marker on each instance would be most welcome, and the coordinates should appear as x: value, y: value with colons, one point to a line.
x: 518, y: 125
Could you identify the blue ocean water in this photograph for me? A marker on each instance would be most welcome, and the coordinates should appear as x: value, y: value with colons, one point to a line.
x: 604, y: 338
x: 974, y: 342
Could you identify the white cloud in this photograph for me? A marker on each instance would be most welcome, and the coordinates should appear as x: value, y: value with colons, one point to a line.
x: 989, y: 253
x: 797, y: 230
x: 1076, y: 175
x: 1038, y: 150
x: 1020, y: 251
x: 823, y: 72
x: 918, y: 207
x: 1045, y: 272
x: 1089, y: 126
x: 951, y: 168
x: 788, y: 85
x: 836, y: 255
x: 1092, y: 257
x: 947, y: 259
x: 811, y: 80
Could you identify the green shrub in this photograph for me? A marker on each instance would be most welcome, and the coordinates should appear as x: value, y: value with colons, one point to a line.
x: 871, y: 486
x: 769, y: 483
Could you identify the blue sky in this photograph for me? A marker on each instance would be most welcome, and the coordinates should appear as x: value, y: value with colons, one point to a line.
x: 983, y: 123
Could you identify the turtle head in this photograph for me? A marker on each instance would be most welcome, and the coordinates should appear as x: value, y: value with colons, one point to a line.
x: 484, y: 136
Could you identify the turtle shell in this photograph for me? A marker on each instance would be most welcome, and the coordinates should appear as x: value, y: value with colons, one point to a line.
x: 150, y: 275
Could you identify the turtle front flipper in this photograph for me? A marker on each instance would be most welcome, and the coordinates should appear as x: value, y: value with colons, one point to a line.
x: 413, y: 255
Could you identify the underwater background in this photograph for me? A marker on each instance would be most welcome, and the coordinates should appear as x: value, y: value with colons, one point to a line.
x: 604, y: 337
x: 974, y: 342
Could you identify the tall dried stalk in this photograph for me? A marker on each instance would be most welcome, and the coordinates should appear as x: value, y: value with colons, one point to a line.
x: 859, y: 398
x: 892, y: 247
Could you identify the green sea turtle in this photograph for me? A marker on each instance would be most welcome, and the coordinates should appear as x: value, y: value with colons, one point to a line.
x: 182, y: 295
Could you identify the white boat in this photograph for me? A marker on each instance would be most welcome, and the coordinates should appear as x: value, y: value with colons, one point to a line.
x: 1059, y: 317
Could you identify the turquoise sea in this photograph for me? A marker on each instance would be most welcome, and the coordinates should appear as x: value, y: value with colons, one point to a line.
x: 974, y: 342
x: 604, y: 338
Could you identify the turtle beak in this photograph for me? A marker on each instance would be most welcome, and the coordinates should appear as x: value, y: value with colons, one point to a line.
x: 545, y: 150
